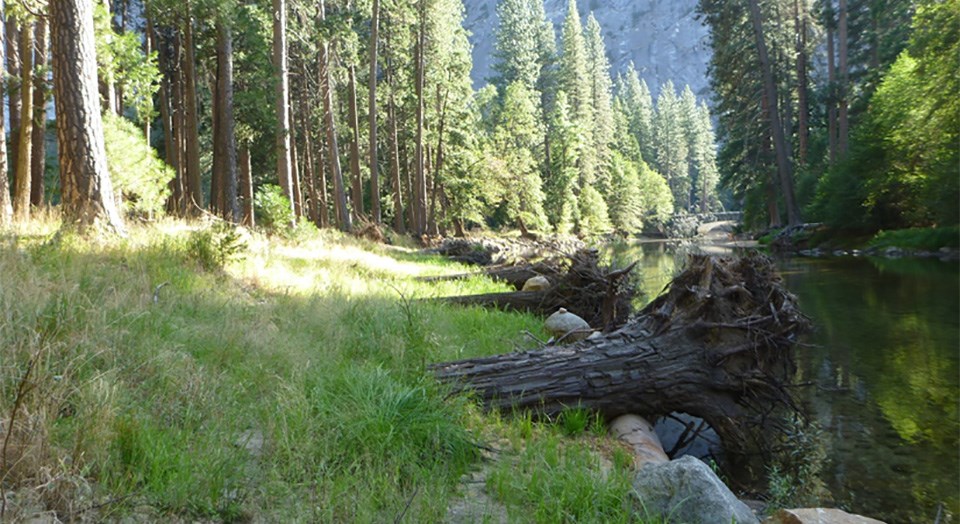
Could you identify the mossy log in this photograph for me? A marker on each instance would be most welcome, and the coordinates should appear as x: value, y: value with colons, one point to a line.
x: 717, y: 344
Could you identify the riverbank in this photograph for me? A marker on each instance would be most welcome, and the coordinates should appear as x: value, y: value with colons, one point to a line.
x: 196, y: 373
x: 817, y: 240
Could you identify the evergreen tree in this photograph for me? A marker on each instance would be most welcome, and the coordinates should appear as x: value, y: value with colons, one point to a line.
x: 671, y: 145
x: 601, y: 102
x: 516, y: 142
x: 704, y: 154
x: 574, y: 80
x: 517, y: 55
x: 638, y: 107
x: 625, y: 202
x: 560, y: 199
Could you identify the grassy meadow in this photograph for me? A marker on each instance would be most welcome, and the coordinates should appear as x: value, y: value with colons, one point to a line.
x: 190, y: 373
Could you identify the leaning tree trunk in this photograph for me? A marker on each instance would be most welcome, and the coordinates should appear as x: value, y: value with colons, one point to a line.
x: 716, y: 345
x: 88, y: 197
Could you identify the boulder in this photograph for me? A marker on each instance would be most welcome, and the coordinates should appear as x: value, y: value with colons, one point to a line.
x: 563, y: 322
x: 639, y: 434
x: 817, y: 516
x: 537, y: 283
x: 687, y: 490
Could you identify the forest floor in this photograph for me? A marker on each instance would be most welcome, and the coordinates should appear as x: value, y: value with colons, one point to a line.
x: 187, y: 373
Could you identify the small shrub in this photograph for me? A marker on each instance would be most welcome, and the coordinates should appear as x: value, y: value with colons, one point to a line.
x: 215, y: 246
x: 793, y: 477
x: 137, y: 173
x: 274, y: 212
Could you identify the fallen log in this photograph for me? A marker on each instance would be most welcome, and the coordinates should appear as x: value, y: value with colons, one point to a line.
x: 515, y: 275
x: 601, y: 297
x: 717, y: 344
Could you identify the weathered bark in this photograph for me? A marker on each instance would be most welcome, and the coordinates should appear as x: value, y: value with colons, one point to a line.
x: 24, y: 176
x: 372, y: 116
x: 781, y: 150
x: 716, y: 345
x: 88, y: 198
x: 282, y: 102
x: 356, y: 192
x: 225, y: 125
x: 39, y: 135
x: 191, y: 129
x: 6, y: 206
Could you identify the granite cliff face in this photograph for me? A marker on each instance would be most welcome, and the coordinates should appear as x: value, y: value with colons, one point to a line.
x: 663, y: 38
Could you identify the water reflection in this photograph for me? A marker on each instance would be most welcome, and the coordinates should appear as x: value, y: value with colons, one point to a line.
x: 885, y: 364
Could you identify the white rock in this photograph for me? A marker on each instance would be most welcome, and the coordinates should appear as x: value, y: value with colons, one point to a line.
x: 537, y: 283
x: 563, y: 322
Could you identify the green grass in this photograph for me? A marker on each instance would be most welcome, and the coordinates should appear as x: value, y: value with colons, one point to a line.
x: 928, y: 239
x: 156, y: 357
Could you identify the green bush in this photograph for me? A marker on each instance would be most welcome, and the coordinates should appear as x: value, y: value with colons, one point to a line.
x: 928, y: 238
x: 274, y: 212
x: 214, y: 246
x: 139, y: 176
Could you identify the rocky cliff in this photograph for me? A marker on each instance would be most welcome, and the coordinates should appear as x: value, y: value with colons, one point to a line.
x: 663, y: 38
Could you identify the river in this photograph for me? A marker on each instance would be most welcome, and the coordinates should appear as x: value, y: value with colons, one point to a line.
x: 884, y: 366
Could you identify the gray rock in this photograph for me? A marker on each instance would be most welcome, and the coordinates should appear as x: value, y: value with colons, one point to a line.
x: 537, y: 283
x: 687, y: 490
x: 563, y: 322
x: 893, y: 252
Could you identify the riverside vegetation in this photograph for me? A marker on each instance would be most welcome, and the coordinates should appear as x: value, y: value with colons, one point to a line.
x: 188, y: 372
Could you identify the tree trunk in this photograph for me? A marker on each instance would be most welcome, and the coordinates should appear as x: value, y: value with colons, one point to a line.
x: 394, y: 145
x: 832, y: 88
x: 326, y: 86
x: 225, y: 124
x: 88, y: 198
x: 357, y: 190
x: 6, y: 206
x: 284, y: 168
x: 38, y: 138
x: 803, y: 110
x: 295, y: 170
x: 372, y: 116
x: 843, y: 130
x: 716, y: 345
x: 21, y: 192
x: 246, y: 186
x: 194, y: 192
x: 420, y: 181
x: 12, y: 43
x: 781, y: 151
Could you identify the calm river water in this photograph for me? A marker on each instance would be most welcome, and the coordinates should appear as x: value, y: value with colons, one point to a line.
x: 885, y: 363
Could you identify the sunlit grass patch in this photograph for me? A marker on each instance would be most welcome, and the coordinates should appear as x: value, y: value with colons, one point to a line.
x: 151, y: 366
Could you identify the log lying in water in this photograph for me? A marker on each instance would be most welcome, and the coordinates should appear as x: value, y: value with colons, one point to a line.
x: 716, y: 344
x: 600, y: 296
